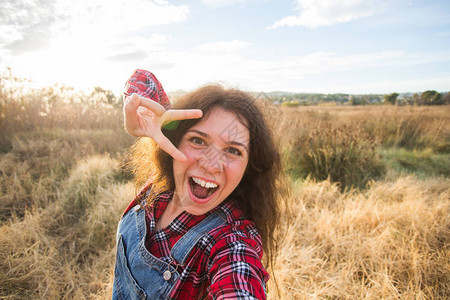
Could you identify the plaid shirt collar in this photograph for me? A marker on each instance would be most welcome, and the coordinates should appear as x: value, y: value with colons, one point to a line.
x: 184, y: 221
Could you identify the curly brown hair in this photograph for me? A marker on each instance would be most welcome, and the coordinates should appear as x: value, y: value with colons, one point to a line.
x: 257, y: 194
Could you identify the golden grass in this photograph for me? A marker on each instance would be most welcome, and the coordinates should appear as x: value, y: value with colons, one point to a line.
x: 66, y: 250
x: 32, y: 171
x: 389, y: 242
x: 387, y: 124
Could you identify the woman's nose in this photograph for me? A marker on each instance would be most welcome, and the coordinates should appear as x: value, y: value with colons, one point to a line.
x: 211, y: 160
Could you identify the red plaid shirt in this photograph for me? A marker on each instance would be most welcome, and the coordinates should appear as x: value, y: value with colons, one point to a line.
x: 228, y: 266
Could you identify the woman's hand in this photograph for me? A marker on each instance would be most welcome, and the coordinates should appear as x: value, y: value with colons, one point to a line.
x: 145, y: 117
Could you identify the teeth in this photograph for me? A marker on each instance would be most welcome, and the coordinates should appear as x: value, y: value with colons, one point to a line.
x: 207, y: 184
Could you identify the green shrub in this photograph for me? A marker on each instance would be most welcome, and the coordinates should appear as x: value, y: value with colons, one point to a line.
x: 420, y: 162
x: 343, y: 154
x: 291, y: 104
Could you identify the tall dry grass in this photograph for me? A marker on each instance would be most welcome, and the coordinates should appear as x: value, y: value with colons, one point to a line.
x: 38, y: 161
x: 44, y: 132
x: 388, y: 242
x: 66, y: 250
x: 25, y: 109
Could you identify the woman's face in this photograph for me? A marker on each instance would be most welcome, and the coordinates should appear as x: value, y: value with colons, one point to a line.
x: 217, y: 151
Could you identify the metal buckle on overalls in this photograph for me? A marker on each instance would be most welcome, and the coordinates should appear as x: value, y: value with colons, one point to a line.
x: 167, y: 273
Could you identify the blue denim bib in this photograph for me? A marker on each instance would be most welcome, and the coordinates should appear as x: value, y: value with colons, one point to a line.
x: 140, y: 275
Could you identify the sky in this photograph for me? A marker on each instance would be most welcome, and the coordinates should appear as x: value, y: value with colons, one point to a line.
x: 304, y: 46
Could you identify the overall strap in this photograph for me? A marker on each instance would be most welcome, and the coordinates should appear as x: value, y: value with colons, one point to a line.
x: 186, y: 243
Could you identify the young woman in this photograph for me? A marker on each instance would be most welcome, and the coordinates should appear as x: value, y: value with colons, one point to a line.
x: 208, y: 206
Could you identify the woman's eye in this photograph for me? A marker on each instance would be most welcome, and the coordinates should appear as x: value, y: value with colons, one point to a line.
x: 234, y: 151
x: 197, y: 140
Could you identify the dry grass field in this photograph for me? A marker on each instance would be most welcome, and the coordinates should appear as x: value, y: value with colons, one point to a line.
x: 388, y: 242
x: 368, y: 210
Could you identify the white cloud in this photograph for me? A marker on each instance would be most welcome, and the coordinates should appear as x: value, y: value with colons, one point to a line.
x: 315, y: 13
x: 178, y: 69
x: 36, y: 24
x: 323, y: 62
x: 316, y: 72
x: 440, y: 84
x: 135, y: 48
x: 223, y: 3
x: 25, y: 24
x: 123, y: 16
x: 82, y: 43
x: 223, y: 46
x: 193, y: 69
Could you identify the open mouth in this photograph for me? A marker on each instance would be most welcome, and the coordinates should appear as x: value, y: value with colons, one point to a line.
x: 202, y: 189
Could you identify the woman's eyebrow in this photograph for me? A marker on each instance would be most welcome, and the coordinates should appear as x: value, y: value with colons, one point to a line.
x: 238, y: 144
x: 205, y: 135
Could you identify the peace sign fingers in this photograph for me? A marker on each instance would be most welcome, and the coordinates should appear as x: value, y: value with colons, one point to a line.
x: 145, y: 117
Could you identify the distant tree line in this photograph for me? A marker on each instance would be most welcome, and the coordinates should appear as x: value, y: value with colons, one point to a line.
x: 425, y: 98
x: 295, y: 99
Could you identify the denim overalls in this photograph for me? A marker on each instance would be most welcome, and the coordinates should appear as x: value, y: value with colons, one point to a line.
x: 140, y: 275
